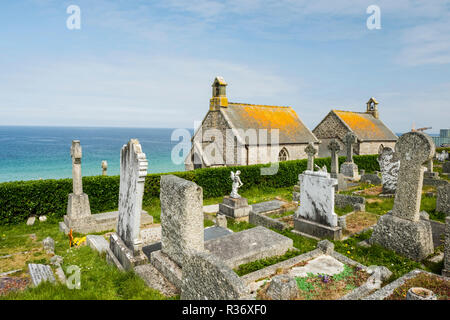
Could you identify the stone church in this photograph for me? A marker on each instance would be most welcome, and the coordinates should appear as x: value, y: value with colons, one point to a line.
x: 243, y: 134
x: 370, y: 131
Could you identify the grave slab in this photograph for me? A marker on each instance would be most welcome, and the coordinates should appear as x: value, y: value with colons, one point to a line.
x: 248, y: 245
x: 40, y: 273
x: 323, y: 264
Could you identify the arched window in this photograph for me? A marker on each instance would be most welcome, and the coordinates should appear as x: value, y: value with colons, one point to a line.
x: 283, y: 155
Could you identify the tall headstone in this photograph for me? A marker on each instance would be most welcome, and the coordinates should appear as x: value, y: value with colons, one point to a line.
x: 125, y: 243
x: 310, y: 151
x: 334, y: 148
x: 401, y: 229
x: 349, y: 168
x: 78, y: 208
x: 315, y: 215
x: 389, y: 166
x: 104, y: 168
x: 446, y: 269
x: 443, y: 199
x: 181, y: 218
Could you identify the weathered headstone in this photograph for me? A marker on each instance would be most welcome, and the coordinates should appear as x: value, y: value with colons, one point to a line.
x: 316, y: 215
x: 334, y: 148
x: 49, y: 245
x: 125, y: 243
x: 349, y: 168
x: 446, y: 269
x: 78, y: 209
x: 310, y: 151
x: 181, y: 218
x: 31, y: 220
x: 104, y: 168
x: 402, y: 230
x: 446, y: 167
x: 443, y: 199
x: 40, y: 273
x: 205, y: 277
x: 97, y: 243
x: 389, y: 166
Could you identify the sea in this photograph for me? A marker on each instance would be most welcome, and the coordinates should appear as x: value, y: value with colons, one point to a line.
x: 33, y: 153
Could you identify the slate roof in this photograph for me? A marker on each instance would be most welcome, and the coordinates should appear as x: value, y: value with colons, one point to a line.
x: 291, y: 128
x: 366, y: 126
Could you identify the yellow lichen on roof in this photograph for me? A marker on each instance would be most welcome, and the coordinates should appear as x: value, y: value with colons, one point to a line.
x: 360, y: 124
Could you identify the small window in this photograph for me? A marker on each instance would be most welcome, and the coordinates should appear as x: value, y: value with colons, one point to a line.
x: 283, y: 155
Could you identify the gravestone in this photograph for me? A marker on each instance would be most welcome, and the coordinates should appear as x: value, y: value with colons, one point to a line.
x: 205, y: 277
x: 310, y: 151
x: 446, y: 167
x: 104, y: 168
x: 316, y: 215
x: 446, y: 269
x: 334, y: 148
x: 78, y: 208
x: 443, y: 199
x: 40, y: 273
x: 181, y: 218
x: 125, y: 243
x: 349, y: 168
x: 402, y: 230
x: 389, y: 166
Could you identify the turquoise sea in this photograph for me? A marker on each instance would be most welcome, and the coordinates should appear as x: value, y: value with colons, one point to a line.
x: 31, y: 153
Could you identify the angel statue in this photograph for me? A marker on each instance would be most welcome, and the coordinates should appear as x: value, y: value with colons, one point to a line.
x: 323, y: 169
x: 237, y: 183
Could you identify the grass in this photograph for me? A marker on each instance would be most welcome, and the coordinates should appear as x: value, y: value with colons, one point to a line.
x: 341, y: 211
x: 281, y: 215
x: 376, y: 255
x: 99, y: 280
x: 250, y: 267
x: 258, y: 194
x: 439, y: 286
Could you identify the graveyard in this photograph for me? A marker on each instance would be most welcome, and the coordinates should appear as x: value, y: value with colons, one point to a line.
x: 370, y: 235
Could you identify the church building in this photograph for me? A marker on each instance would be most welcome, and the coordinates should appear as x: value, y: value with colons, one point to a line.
x: 244, y: 134
x: 370, y: 131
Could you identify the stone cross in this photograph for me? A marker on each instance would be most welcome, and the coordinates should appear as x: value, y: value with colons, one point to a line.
x: 413, y: 149
x: 133, y: 170
x: 350, y: 139
x: 76, y: 154
x: 310, y: 151
x: 104, y: 168
x: 334, y: 148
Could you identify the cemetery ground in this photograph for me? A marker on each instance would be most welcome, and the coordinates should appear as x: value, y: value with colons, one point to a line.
x: 22, y: 244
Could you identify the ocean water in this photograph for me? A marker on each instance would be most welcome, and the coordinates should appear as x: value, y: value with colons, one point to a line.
x: 31, y: 153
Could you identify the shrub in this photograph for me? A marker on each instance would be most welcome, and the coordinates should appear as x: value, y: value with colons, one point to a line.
x: 20, y: 199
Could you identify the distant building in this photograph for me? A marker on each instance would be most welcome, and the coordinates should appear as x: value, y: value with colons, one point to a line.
x: 370, y: 131
x: 444, y: 138
x: 240, y: 118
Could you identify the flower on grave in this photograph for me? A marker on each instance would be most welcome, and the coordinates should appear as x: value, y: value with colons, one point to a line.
x: 358, y: 268
x: 348, y: 252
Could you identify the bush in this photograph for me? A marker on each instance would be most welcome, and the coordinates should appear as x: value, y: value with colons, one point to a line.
x: 440, y: 149
x: 19, y: 200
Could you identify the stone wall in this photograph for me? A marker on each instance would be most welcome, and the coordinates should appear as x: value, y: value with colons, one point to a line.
x: 372, y: 147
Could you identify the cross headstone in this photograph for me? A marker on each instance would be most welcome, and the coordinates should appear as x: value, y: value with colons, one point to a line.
x: 76, y: 154
x: 310, y: 151
x: 334, y: 148
x: 413, y: 149
x: 402, y: 230
x: 104, y: 168
x: 350, y: 139
x: 133, y: 170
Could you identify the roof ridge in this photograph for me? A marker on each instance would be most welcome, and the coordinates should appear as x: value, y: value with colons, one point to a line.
x: 257, y: 105
x: 362, y: 112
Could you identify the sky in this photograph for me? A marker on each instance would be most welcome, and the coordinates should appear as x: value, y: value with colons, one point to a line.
x: 151, y: 63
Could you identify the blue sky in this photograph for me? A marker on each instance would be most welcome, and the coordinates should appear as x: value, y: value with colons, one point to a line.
x: 151, y: 63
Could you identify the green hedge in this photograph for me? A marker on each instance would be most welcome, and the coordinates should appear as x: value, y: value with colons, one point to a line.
x: 440, y: 149
x: 19, y: 200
